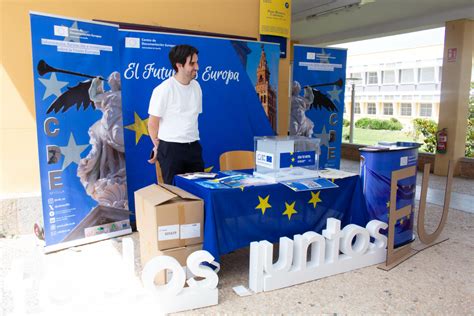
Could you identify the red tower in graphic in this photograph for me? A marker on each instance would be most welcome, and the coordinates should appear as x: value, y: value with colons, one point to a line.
x: 265, y: 92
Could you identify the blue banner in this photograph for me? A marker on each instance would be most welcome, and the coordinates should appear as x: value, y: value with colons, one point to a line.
x: 376, y: 167
x: 79, y: 127
x: 324, y: 71
x: 239, y: 81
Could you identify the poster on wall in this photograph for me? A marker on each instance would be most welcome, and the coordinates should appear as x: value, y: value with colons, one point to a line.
x: 80, y: 134
x: 239, y: 82
x: 317, y: 101
x: 275, y: 17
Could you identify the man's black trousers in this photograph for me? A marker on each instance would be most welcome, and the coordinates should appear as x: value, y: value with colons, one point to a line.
x: 178, y: 158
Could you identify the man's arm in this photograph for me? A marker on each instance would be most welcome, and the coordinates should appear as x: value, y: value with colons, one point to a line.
x: 153, y: 128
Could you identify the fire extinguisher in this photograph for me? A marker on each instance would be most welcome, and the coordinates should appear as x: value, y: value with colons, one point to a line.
x: 441, y: 141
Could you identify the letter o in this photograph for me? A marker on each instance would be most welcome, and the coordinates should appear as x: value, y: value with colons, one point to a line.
x: 158, y: 264
x: 359, y: 247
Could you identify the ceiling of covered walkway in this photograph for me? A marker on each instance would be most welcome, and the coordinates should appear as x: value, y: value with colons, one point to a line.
x: 324, y: 22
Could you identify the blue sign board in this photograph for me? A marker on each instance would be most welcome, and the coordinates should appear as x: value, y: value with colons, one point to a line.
x: 80, y: 144
x: 324, y: 70
x: 297, y: 159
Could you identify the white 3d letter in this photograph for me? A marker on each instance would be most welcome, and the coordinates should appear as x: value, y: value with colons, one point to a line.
x: 194, y: 265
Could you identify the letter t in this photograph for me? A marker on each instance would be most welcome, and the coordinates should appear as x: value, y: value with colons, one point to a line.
x: 333, y: 234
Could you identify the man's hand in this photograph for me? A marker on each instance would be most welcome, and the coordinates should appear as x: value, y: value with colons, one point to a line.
x: 153, y: 128
x: 153, y: 155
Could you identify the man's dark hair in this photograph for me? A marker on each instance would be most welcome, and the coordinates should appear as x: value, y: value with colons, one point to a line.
x: 180, y: 53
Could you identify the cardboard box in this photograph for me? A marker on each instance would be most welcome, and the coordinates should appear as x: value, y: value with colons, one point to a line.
x: 167, y: 217
x: 180, y: 254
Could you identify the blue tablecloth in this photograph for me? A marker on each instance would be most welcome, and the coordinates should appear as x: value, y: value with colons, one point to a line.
x: 234, y: 217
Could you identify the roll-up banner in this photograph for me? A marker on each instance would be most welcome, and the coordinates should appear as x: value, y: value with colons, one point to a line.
x: 80, y: 130
x: 239, y: 81
x: 323, y: 71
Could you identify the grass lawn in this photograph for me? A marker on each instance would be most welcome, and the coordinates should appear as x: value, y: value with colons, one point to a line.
x: 371, y: 136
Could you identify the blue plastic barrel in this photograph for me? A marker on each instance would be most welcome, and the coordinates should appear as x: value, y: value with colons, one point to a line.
x: 376, y: 166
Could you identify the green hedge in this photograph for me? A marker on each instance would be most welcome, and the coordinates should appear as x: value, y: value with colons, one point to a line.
x: 393, y: 124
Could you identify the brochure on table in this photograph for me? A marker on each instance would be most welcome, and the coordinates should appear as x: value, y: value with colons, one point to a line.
x: 309, y: 184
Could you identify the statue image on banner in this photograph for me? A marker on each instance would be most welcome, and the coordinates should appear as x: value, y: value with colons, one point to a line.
x: 300, y: 124
x: 102, y: 171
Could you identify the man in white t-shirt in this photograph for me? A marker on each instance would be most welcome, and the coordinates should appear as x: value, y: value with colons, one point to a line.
x: 173, y: 123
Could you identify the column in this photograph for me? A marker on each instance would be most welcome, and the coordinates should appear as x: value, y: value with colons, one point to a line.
x: 456, y: 76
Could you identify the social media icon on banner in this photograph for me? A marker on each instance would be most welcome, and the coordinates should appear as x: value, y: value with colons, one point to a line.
x: 52, y: 220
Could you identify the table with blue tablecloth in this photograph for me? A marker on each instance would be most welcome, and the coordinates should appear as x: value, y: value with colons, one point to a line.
x: 233, y: 218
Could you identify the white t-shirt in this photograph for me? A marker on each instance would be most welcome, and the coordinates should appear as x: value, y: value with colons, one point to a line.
x: 178, y: 107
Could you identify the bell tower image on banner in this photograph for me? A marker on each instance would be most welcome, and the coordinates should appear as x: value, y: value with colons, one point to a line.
x: 265, y: 92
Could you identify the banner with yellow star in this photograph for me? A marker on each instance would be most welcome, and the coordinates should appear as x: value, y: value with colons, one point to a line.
x: 80, y: 131
x: 239, y: 82
x: 318, y: 112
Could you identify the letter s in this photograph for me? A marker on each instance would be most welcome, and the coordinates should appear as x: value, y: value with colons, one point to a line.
x: 374, y: 227
x: 194, y: 265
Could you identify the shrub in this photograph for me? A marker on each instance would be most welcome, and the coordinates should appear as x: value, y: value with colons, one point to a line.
x: 346, y: 123
x: 393, y: 124
x: 345, y: 135
x: 428, y: 129
x: 469, y: 151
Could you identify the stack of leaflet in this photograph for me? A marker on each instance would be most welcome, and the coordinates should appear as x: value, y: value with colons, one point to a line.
x: 309, y: 184
x: 236, y: 180
x: 198, y: 175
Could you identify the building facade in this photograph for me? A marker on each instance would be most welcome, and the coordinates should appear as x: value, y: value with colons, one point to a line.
x: 404, y: 84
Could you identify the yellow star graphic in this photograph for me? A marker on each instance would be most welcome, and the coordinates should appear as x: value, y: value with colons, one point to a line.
x: 208, y: 169
x: 408, y: 216
x: 292, y: 159
x: 315, y: 199
x: 388, y: 204
x: 401, y: 221
x: 263, y: 204
x: 242, y: 187
x: 290, y: 210
x: 139, y: 126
